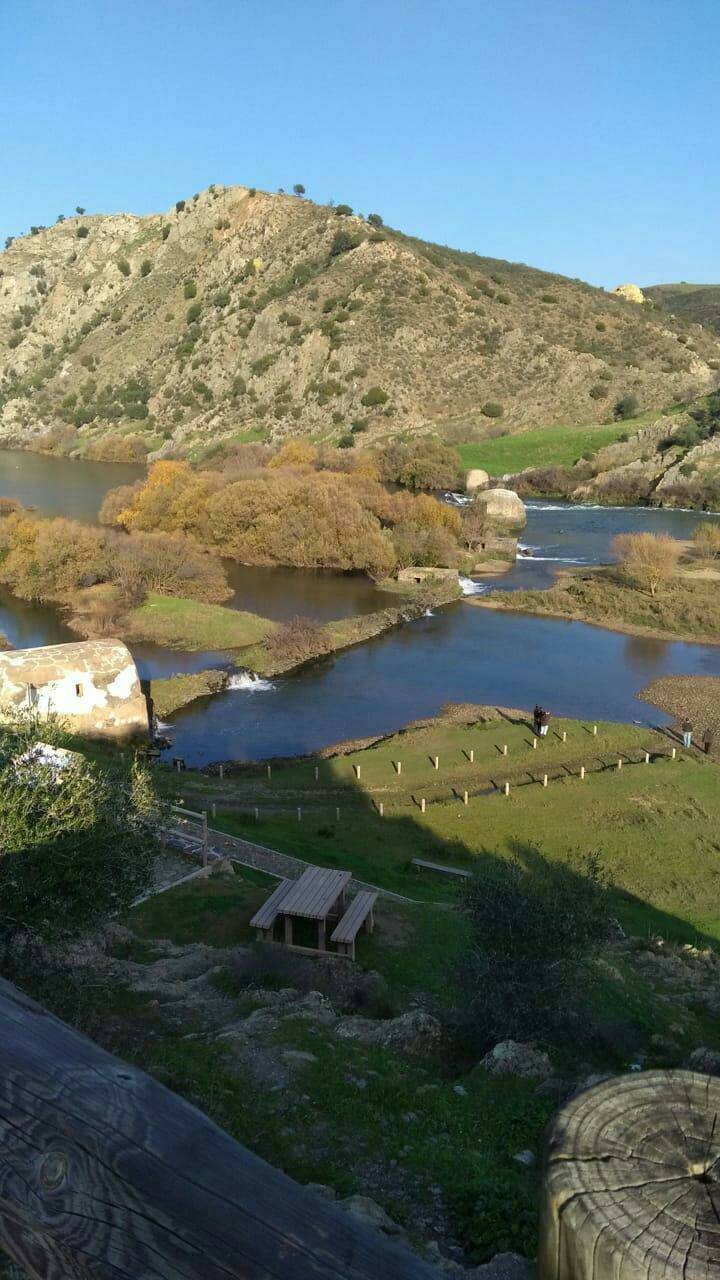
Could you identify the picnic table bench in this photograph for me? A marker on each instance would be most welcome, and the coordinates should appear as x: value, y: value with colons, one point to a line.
x: 266, y: 915
x: 437, y: 866
x: 359, y: 913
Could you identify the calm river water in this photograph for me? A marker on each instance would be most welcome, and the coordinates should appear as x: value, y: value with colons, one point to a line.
x: 461, y: 654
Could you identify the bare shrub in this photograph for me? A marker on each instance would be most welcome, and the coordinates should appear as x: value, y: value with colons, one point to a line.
x: 707, y: 540
x: 648, y: 559
x: 298, y: 641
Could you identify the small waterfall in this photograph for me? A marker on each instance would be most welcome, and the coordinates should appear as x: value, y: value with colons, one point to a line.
x: 250, y: 682
x: 429, y: 613
x: 471, y: 588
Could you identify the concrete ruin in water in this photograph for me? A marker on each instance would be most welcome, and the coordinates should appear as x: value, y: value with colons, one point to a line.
x: 92, y: 686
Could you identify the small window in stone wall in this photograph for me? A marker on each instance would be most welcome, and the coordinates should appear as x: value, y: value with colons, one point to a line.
x: 78, y: 690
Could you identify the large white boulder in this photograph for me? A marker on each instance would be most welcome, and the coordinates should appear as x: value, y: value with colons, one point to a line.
x: 476, y: 479
x: 503, y: 507
x: 630, y: 292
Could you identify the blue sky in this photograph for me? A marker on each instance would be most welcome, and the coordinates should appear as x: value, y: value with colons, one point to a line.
x: 576, y: 135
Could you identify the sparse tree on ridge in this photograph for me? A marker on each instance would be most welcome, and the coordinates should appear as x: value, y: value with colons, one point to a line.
x: 79, y: 209
x: 299, y: 189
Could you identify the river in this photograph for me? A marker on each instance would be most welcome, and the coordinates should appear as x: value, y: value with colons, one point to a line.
x: 461, y: 654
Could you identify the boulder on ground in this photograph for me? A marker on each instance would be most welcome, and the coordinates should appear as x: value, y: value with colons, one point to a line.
x: 414, y: 1031
x: 704, y: 1060
x: 371, y: 1213
x: 476, y: 479
x: 630, y: 292
x: 503, y: 507
x: 511, y: 1058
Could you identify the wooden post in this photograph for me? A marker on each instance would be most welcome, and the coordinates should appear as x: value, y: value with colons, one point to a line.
x: 647, y: 757
x: 356, y: 767
x: 545, y: 780
x: 507, y: 788
x: 505, y: 749
x: 317, y: 773
x: 221, y: 771
x: 213, y: 810
x: 100, y: 1176
x: 673, y: 753
x: 564, y: 735
x: 629, y: 1180
x: 619, y: 763
x: 594, y: 731
x: 299, y: 814
x: 337, y: 815
x: 582, y: 772
x: 398, y: 767
x: 257, y: 814
x: 204, y: 838
x: 269, y: 771
x: 465, y: 797
x: 472, y: 755
x: 422, y: 805
x: 436, y: 761
x: 534, y: 744
x: 381, y: 809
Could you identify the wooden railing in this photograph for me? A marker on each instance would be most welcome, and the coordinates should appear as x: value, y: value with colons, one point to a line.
x: 106, y: 1174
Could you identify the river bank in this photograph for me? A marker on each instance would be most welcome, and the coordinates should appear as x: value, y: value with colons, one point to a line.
x: 688, y: 609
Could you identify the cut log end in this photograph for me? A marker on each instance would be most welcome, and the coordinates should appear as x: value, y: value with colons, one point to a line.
x: 632, y: 1181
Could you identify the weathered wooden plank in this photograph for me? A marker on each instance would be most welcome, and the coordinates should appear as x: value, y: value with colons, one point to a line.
x: 438, y: 866
x: 106, y: 1174
x: 357, y: 913
x: 267, y: 914
x: 316, y: 892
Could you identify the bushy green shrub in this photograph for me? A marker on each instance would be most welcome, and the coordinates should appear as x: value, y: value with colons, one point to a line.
x: 343, y: 210
x: 599, y: 391
x: 343, y: 242
x: 165, y: 232
x: 626, y: 407
x: 190, y: 289
x: 374, y: 396
x: 124, y: 267
x: 375, y: 220
x: 239, y: 386
x: 179, y: 206
x: 193, y: 313
x: 82, y: 233
x: 492, y: 409
x: 145, y: 267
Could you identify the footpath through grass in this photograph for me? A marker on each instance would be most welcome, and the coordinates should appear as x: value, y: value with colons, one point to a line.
x: 545, y: 446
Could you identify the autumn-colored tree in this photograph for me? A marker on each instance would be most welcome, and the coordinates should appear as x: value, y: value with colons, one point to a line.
x: 474, y: 524
x: 295, y: 453
x: 648, y: 559
x: 707, y: 539
x: 152, y: 507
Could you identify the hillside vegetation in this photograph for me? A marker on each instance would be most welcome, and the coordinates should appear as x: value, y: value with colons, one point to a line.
x: 696, y: 303
x: 247, y: 316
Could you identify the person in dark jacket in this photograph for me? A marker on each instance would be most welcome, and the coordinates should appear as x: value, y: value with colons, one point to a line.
x: 537, y: 712
x: 708, y: 740
x: 544, y: 722
x: 687, y: 732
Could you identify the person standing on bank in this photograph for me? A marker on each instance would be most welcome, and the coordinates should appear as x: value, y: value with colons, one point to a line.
x: 544, y: 721
x: 708, y: 740
x: 537, y: 712
x: 687, y: 732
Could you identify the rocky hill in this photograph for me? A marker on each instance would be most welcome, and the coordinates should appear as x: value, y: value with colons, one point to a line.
x: 253, y: 316
x: 695, y: 303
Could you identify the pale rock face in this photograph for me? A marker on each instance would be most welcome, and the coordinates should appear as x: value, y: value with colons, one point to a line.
x: 476, y: 479
x: 504, y: 507
x: 630, y: 292
x: 511, y: 1058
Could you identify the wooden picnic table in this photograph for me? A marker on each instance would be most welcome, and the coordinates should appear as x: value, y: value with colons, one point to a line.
x: 315, y: 896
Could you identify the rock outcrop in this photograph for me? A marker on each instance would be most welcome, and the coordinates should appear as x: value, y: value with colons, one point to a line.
x: 505, y: 510
x: 476, y: 479
x: 630, y: 292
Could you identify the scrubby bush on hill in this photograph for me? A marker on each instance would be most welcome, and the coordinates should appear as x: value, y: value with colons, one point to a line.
x: 626, y: 407
x: 75, y: 846
x: 82, y: 233
x: 343, y: 242
x: 373, y: 397
x: 298, y: 641
x: 535, y: 925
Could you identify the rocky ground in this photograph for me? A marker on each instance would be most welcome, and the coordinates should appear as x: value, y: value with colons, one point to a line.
x: 695, y: 696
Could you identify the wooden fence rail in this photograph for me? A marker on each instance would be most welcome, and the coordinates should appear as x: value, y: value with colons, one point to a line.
x: 106, y: 1174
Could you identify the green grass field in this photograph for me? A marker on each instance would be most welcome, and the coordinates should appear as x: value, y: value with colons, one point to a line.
x: 190, y: 624
x: 653, y: 826
x: 545, y: 446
